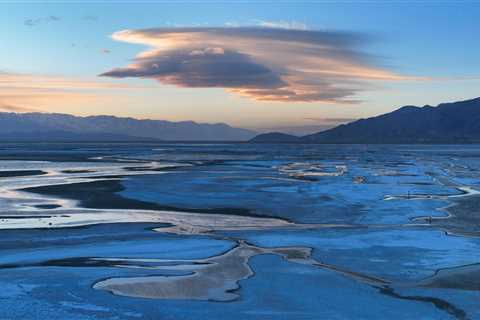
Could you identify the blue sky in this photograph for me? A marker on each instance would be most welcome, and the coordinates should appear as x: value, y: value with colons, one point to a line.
x: 431, y: 47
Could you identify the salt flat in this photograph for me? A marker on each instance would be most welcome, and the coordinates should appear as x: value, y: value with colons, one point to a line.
x: 185, y: 230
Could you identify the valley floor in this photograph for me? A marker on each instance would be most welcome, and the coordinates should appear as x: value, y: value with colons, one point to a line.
x: 239, y: 231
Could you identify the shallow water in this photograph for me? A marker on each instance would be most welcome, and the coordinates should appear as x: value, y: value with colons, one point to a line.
x: 194, y: 231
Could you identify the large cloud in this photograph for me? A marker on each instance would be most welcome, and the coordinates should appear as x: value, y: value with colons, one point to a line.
x: 206, y: 67
x: 269, y: 64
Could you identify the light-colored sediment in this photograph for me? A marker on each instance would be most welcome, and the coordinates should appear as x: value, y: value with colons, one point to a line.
x: 181, y: 222
x: 216, y: 278
x: 12, y: 198
x: 19, y: 211
x: 305, y: 170
x: 465, y: 191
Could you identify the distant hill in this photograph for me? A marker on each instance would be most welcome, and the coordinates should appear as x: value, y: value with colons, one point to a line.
x: 456, y: 122
x: 274, y: 137
x: 64, y: 127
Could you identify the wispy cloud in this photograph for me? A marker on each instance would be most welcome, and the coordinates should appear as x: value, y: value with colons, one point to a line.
x: 262, y: 63
x: 316, y: 124
x: 331, y: 120
x: 289, y: 25
x: 15, y: 80
x: 11, y: 108
x: 36, y: 21
x: 25, y: 92
x: 31, y: 22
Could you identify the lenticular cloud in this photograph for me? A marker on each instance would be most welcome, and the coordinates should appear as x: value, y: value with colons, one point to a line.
x: 265, y: 64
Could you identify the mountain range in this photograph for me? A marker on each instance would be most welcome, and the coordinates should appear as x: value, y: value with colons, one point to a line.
x: 64, y: 127
x: 455, y: 122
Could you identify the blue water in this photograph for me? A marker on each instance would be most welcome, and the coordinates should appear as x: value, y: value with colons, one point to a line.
x: 50, y: 273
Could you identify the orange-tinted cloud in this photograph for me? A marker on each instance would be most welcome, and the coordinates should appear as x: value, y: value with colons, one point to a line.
x: 23, y: 92
x: 12, y: 108
x: 268, y: 64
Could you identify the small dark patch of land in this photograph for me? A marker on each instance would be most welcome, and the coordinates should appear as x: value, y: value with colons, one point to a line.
x: 161, y: 169
x: 77, y: 171
x: 103, y: 194
x: 96, y: 194
x: 438, y: 303
x: 24, y: 217
x: 20, y: 173
x: 47, y: 206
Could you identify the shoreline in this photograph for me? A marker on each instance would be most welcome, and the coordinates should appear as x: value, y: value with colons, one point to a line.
x: 104, y: 194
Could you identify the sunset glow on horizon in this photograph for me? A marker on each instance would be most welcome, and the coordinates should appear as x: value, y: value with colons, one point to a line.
x: 260, y: 66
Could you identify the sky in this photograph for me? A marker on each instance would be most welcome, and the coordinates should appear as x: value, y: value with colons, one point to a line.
x: 296, y: 67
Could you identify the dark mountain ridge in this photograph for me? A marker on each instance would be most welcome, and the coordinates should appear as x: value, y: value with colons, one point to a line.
x: 455, y: 122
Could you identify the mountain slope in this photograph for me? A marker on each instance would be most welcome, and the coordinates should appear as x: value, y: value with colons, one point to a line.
x: 457, y: 122
x: 274, y: 137
x: 58, y: 127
